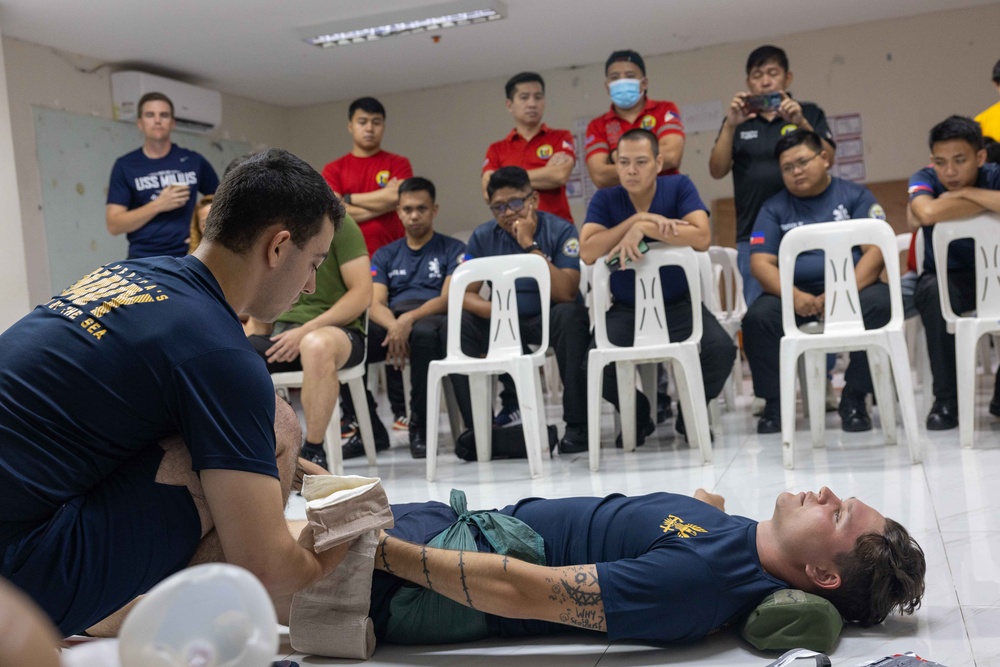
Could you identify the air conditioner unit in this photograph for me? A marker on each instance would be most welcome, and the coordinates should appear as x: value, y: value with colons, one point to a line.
x: 195, y: 109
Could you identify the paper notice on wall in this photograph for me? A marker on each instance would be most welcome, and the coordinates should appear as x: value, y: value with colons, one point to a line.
x: 848, y: 135
x: 702, y: 116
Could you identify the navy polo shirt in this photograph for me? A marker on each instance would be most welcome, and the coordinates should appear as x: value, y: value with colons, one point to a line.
x: 557, y: 239
x: 675, y: 197
x: 842, y: 200
x: 961, y: 253
x: 419, y: 274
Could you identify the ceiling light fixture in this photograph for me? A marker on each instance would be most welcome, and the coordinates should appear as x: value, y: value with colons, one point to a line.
x: 366, y: 29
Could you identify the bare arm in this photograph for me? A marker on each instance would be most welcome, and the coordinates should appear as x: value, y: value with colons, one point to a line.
x: 869, y: 267
x: 554, y: 174
x: 764, y: 268
x: 672, y: 150
x: 601, y: 171
x: 989, y: 200
x: 247, y: 511
x: 120, y: 220
x: 692, y: 230
x: 499, y: 585
x: 365, y: 206
x: 929, y: 210
x: 476, y: 304
x: 358, y: 279
x: 379, y: 312
x: 397, y: 337
x: 721, y: 159
x: 485, y: 182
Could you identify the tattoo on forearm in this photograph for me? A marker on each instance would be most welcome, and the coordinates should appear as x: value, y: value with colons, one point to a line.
x: 423, y: 559
x: 505, y: 561
x: 580, y: 595
x: 465, y: 588
x: 385, y: 561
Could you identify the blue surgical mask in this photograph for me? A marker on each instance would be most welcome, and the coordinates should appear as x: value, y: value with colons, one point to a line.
x: 625, y: 93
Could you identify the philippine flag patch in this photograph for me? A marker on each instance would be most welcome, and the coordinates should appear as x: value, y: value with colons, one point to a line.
x: 757, y: 238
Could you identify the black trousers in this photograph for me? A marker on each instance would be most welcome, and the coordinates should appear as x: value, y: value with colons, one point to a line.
x: 569, y: 338
x: 762, y: 332
x: 428, y: 341
x: 940, y: 343
x: 717, y: 348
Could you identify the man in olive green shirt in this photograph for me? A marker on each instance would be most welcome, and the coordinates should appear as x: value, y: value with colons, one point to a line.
x: 322, y: 333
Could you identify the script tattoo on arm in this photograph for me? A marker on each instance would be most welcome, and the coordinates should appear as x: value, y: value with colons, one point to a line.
x: 465, y: 587
x: 423, y: 560
x: 577, y: 593
x: 385, y: 561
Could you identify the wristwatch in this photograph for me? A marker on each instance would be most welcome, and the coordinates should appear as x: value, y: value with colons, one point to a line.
x: 534, y: 246
x: 347, y: 198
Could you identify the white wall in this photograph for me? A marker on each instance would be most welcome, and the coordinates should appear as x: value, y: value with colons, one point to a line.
x: 42, y: 76
x: 13, y: 276
x: 902, y: 75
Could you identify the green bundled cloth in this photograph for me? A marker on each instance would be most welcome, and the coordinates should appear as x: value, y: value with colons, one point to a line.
x: 421, y: 616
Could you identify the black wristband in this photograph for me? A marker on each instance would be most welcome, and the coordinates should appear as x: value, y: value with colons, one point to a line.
x: 347, y: 198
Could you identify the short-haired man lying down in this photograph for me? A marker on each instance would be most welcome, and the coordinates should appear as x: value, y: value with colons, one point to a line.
x: 661, y: 567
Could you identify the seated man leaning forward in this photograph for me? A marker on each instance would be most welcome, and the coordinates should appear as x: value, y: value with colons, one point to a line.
x: 658, y: 568
x: 520, y: 228
x: 647, y: 207
x: 811, y: 195
x: 410, y: 303
x: 322, y: 333
x: 137, y: 424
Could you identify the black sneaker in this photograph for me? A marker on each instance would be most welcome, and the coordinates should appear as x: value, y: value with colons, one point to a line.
x: 354, y: 447
x: 314, y: 454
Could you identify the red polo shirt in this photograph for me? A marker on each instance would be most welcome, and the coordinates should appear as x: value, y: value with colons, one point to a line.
x: 660, y: 118
x: 354, y: 175
x: 514, y: 151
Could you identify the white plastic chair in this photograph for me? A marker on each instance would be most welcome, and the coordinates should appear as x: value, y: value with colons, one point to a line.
x: 969, y: 328
x: 843, y: 329
x: 730, y: 307
x: 651, y: 344
x: 353, y: 377
x: 505, y: 355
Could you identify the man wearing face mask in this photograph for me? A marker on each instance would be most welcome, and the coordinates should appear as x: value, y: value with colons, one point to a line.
x: 625, y: 80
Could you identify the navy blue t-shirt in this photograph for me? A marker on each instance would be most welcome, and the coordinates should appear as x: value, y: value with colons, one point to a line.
x: 557, y: 239
x: 133, y: 353
x: 137, y: 180
x: 960, y: 253
x: 671, y: 568
x: 416, y: 274
x: 676, y: 196
x: 842, y: 200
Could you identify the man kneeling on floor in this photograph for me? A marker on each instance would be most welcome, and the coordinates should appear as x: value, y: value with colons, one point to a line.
x: 138, y: 428
x: 660, y: 568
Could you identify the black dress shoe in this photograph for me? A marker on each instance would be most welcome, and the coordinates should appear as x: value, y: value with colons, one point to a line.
x: 418, y: 444
x: 854, y: 415
x: 770, y: 418
x: 573, y: 442
x: 354, y: 447
x: 944, y: 415
x: 681, y: 429
x: 642, y: 431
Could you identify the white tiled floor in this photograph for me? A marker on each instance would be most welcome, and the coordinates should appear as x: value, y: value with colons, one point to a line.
x: 949, y: 503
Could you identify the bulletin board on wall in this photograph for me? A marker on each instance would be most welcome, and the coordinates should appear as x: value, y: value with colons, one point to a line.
x: 75, y: 156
